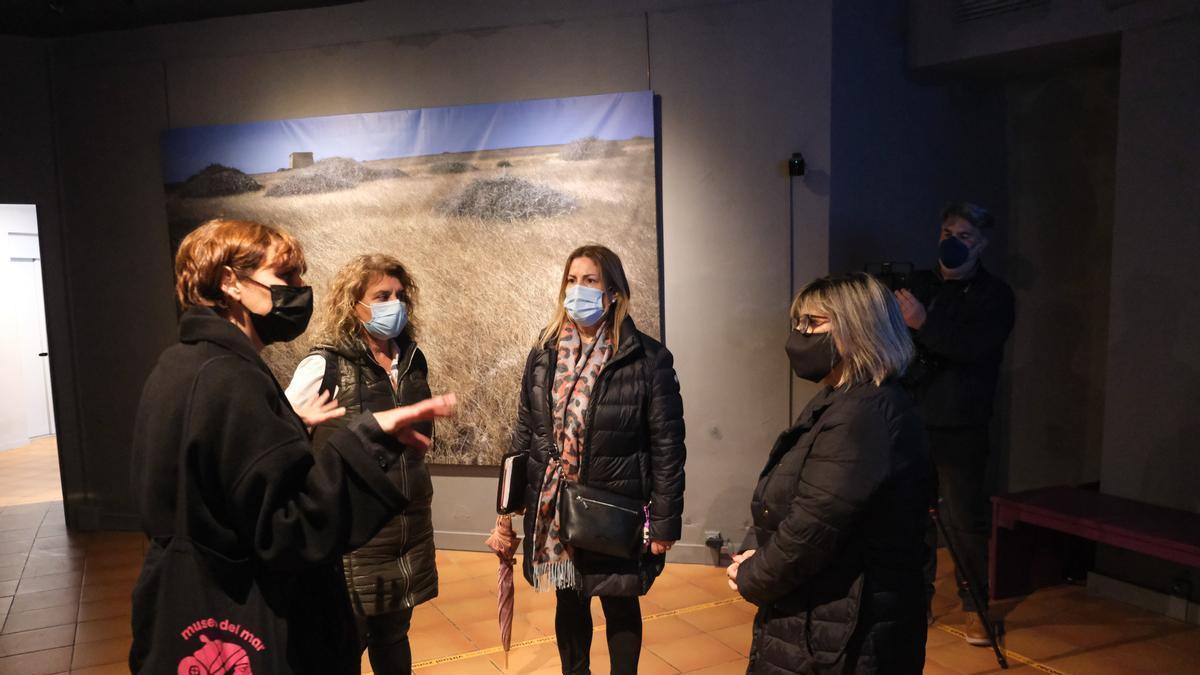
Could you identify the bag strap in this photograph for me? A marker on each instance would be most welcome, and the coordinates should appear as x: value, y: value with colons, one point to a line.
x: 181, y: 472
x: 329, y: 381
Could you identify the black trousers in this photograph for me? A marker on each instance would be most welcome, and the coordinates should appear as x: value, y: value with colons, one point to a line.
x: 573, y: 628
x: 385, y: 637
x: 960, y: 457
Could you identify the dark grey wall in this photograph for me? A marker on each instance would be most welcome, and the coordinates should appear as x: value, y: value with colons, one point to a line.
x: 903, y: 145
x: 1151, y: 424
x: 938, y: 40
x: 1151, y: 427
x: 741, y: 88
x: 1151, y: 358
x: 118, y: 266
x: 1149, y: 374
x: 742, y: 84
x: 1062, y: 140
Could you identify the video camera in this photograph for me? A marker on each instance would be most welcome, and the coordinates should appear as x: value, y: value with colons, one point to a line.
x: 894, y: 275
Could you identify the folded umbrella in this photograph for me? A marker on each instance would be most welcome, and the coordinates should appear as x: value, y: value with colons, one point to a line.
x: 503, y: 541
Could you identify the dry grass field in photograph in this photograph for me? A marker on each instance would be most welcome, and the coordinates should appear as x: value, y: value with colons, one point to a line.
x: 484, y: 234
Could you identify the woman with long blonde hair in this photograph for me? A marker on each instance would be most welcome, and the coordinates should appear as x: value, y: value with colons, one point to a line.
x: 599, y: 408
x: 368, y: 360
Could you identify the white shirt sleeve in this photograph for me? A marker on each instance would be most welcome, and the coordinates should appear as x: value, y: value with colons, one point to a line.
x: 306, y: 381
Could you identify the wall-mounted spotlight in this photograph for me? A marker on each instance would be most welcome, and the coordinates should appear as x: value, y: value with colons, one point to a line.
x: 796, y: 165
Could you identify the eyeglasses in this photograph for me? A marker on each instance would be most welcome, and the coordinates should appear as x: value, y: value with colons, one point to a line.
x: 809, y: 322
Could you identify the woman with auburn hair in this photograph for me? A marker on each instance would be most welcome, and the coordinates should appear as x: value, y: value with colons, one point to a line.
x: 600, y: 408
x: 247, y: 520
x: 368, y: 357
x: 834, y: 560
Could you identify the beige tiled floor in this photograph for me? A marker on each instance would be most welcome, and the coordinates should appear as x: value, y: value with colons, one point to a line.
x: 29, y: 475
x: 64, y: 607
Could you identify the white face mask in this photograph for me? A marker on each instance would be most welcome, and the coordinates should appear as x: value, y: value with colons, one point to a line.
x: 584, y: 305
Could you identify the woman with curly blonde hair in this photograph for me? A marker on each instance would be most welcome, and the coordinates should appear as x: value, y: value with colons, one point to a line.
x: 368, y: 359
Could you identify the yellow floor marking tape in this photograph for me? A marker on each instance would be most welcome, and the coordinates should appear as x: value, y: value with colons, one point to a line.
x: 550, y: 638
x: 1013, y: 656
x: 1010, y: 654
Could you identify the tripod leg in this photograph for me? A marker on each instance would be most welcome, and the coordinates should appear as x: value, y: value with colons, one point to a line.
x: 970, y: 586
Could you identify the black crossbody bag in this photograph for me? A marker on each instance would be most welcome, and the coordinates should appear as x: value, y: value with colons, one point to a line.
x: 601, y: 522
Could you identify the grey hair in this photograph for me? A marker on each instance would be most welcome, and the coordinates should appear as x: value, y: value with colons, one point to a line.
x: 867, y: 327
x: 972, y: 213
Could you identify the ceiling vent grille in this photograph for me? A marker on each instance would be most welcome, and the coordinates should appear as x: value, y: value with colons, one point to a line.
x: 974, y: 10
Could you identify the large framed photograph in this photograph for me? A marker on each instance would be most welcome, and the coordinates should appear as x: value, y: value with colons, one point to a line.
x: 482, y: 203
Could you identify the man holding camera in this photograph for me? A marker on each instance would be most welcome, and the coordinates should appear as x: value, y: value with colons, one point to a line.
x: 959, y: 325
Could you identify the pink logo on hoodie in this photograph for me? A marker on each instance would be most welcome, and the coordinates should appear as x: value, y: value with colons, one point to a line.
x: 216, y: 657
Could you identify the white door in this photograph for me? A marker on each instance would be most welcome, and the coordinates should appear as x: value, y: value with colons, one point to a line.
x: 35, y: 357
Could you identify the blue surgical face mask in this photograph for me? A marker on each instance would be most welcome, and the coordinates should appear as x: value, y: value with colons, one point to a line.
x: 584, y: 305
x: 388, y: 319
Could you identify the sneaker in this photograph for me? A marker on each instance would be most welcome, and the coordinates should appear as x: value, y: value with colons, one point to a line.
x: 976, y: 634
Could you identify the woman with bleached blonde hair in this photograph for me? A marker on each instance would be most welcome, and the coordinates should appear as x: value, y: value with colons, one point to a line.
x: 834, y: 559
x: 600, y: 418
x: 368, y: 360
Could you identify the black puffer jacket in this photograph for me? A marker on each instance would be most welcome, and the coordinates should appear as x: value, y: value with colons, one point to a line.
x: 839, y: 520
x: 397, y: 568
x: 634, y: 447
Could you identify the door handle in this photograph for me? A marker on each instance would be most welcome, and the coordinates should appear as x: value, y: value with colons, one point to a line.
x: 44, y: 354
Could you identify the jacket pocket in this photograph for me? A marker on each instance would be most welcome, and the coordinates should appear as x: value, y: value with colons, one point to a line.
x: 829, y: 622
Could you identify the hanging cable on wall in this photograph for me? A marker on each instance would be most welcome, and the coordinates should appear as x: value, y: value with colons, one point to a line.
x: 646, y: 17
x: 796, y: 167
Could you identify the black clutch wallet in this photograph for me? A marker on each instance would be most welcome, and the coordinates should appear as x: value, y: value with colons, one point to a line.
x: 601, y: 522
x: 510, y: 493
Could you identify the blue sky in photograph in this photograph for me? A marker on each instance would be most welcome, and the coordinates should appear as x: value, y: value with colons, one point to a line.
x: 261, y: 147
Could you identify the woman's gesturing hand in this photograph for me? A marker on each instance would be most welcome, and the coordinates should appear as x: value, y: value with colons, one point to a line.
x: 398, y: 421
x: 319, y: 410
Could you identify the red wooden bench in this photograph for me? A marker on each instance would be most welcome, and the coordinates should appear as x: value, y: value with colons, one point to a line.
x: 1022, y: 556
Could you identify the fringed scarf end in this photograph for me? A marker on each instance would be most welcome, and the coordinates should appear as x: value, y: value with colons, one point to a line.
x: 557, y: 575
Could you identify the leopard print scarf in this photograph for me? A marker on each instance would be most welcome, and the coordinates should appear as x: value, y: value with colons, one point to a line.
x: 575, y: 375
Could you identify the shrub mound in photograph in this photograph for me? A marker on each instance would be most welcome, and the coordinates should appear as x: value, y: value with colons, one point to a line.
x: 329, y: 175
x: 218, y: 180
x: 589, y: 148
x: 508, y: 198
x: 451, y: 167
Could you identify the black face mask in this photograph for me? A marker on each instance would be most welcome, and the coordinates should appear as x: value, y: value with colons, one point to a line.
x: 813, y: 355
x: 953, y: 253
x: 291, y: 308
